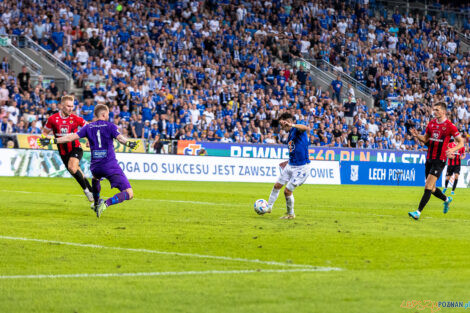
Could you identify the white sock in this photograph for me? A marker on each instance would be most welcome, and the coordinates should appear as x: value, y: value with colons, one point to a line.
x: 417, y: 211
x: 273, y: 196
x: 290, y: 204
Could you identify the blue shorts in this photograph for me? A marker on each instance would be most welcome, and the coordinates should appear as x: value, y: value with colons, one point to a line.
x: 115, y: 175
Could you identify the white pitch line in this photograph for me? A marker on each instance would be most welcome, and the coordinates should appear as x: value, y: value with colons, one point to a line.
x: 141, y: 199
x: 190, y: 255
x: 86, y: 275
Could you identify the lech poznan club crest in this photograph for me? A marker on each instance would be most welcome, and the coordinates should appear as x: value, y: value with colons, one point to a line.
x: 354, y: 172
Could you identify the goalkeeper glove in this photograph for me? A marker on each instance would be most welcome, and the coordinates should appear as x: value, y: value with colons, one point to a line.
x: 133, y: 144
x: 44, y: 141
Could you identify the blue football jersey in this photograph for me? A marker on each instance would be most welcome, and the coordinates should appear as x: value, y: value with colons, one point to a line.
x: 298, y: 147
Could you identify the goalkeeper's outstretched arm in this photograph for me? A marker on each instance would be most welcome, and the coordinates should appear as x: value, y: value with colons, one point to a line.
x: 122, y: 139
x: 44, y: 141
x: 68, y: 138
x: 131, y: 144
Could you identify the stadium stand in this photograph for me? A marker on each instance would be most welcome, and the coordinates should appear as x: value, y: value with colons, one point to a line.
x: 224, y: 70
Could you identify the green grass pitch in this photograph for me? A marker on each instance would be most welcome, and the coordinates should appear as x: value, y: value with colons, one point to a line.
x: 192, y: 246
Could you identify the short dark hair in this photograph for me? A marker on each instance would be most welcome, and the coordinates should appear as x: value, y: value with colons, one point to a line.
x: 285, y: 116
x: 99, y: 108
x: 441, y: 104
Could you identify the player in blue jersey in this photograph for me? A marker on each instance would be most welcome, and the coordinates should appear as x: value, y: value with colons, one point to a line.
x: 295, y: 171
x: 101, y: 134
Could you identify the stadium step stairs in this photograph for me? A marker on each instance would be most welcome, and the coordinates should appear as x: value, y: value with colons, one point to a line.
x: 49, y: 70
x: 323, y: 73
x: 16, y: 60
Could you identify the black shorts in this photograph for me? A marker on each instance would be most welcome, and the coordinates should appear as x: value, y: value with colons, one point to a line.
x: 75, y: 153
x: 453, y: 169
x: 434, y: 167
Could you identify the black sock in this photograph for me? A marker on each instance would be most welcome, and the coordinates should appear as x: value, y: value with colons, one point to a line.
x: 81, y: 180
x: 87, y: 183
x: 424, y: 199
x: 447, y: 183
x: 455, y: 184
x: 438, y: 193
x: 96, y: 190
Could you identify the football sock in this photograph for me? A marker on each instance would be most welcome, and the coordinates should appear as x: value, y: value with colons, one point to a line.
x: 438, y: 193
x: 447, y: 183
x: 96, y: 188
x: 424, y: 199
x: 87, y: 183
x: 455, y: 184
x: 290, y: 204
x: 81, y: 180
x: 273, y: 196
x: 118, y: 198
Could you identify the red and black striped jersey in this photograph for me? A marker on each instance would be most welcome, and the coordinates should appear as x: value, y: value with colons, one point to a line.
x: 61, y: 126
x: 456, y: 160
x: 439, y: 136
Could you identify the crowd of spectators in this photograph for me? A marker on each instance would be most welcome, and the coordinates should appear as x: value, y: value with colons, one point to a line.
x: 222, y: 70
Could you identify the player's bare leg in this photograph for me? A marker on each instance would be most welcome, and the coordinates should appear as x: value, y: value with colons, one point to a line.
x: 290, y: 204
x: 74, y: 169
x: 124, y: 195
x: 273, y: 196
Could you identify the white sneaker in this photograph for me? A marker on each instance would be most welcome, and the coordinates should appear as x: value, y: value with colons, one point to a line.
x: 89, y: 195
x: 269, y: 210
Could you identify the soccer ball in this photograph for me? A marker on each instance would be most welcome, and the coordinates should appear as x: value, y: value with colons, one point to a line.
x: 261, y: 206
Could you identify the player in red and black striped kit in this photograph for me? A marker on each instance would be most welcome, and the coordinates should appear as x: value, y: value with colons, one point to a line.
x: 62, y: 124
x: 438, y: 134
x: 453, y: 166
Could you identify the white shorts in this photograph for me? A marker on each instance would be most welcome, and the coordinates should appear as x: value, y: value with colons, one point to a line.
x: 294, y: 176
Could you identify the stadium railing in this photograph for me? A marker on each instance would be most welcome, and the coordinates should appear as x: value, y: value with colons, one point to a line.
x: 326, y: 66
x: 60, y: 65
x: 9, y: 44
x: 23, y: 41
x: 453, y: 17
x: 324, y: 73
x: 464, y: 42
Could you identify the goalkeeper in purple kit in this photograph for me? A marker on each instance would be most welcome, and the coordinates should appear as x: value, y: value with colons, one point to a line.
x: 100, y: 135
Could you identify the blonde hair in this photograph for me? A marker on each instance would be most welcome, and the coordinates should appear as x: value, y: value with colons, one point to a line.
x: 99, y: 108
x: 66, y: 98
